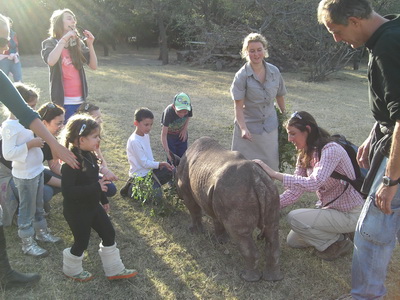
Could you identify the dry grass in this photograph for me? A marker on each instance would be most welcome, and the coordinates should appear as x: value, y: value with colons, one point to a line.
x: 173, y: 264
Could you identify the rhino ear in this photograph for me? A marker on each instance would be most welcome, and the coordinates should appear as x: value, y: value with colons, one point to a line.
x: 175, y: 159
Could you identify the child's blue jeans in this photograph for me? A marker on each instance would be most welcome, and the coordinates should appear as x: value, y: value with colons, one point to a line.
x: 30, y: 212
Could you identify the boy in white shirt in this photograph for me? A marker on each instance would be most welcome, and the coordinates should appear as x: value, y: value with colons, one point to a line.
x: 140, y: 155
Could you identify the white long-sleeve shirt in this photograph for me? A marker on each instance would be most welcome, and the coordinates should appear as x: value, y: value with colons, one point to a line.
x: 26, y: 164
x: 140, y: 156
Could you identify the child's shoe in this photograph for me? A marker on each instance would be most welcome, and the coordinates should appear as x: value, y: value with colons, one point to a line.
x: 112, y: 264
x: 30, y: 247
x: 126, y: 273
x: 44, y: 235
x: 82, y: 276
x: 126, y: 190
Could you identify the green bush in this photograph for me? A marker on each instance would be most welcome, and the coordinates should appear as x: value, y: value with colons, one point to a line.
x: 287, y: 151
x: 161, y: 202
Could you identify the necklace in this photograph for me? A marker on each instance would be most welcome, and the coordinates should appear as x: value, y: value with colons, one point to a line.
x: 89, y: 161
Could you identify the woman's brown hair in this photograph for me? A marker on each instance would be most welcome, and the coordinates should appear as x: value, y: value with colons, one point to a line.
x: 317, y: 137
x: 57, y: 31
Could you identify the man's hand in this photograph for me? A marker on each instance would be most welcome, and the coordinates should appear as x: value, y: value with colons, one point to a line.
x: 362, y: 154
x: 384, y: 197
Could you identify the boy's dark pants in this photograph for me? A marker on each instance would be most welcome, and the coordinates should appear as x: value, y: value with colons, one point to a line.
x: 176, y: 145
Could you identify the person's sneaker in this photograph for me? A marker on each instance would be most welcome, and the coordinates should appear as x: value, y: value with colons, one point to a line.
x: 82, y: 276
x: 126, y: 273
x: 126, y: 189
x: 30, y: 247
x: 336, y: 250
x: 44, y: 235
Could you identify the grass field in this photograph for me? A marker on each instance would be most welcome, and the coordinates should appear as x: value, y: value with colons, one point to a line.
x: 172, y: 263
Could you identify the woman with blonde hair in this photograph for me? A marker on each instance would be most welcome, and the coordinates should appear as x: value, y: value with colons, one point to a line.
x: 65, y: 53
x: 255, y: 87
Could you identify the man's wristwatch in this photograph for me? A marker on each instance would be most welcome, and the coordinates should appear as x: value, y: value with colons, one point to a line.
x: 387, y: 181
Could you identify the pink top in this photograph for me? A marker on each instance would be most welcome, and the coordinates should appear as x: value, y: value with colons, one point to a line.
x: 317, y: 179
x: 71, y: 77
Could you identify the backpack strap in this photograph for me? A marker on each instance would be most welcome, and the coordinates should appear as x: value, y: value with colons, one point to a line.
x: 345, y: 189
x: 339, y: 176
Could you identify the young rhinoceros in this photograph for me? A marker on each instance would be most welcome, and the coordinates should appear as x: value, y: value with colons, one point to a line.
x: 238, y: 195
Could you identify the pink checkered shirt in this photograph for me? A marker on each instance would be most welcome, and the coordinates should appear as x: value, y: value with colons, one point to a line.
x: 317, y: 179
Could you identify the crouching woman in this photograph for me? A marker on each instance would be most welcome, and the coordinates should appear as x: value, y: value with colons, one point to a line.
x: 339, y: 205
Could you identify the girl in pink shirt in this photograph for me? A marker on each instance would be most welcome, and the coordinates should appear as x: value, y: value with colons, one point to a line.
x: 66, y: 52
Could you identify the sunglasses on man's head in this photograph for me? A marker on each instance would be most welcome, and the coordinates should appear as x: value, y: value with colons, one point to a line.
x: 4, y: 41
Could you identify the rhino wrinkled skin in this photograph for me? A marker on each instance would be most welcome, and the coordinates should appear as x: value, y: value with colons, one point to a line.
x: 239, y: 196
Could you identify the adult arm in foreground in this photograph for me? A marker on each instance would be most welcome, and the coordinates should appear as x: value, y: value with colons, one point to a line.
x: 10, y: 97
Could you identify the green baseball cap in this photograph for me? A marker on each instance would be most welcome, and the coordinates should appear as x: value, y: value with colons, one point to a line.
x: 182, y: 101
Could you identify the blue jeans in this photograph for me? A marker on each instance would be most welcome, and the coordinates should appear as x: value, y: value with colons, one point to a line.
x: 30, y: 212
x: 8, y: 66
x: 111, y: 189
x: 70, y: 110
x: 176, y: 145
x: 374, y: 241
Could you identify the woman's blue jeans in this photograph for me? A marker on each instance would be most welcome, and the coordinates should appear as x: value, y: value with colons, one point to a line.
x: 374, y: 241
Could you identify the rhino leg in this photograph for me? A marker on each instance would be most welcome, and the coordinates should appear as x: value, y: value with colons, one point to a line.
x: 272, y: 271
x: 220, y: 233
x: 249, y: 251
x: 196, y: 215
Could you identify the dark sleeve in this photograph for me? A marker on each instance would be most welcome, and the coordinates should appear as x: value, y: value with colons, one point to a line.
x: 46, y: 177
x: 14, y: 102
x: 47, y: 46
x: 47, y: 155
x: 167, y: 117
x: 73, y: 190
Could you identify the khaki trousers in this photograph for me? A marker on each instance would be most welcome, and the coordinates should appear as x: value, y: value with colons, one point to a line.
x: 319, y: 228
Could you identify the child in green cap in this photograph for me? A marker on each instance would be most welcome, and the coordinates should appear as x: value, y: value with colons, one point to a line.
x: 175, y: 121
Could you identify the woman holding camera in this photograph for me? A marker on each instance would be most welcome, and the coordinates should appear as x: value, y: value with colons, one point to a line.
x: 66, y: 53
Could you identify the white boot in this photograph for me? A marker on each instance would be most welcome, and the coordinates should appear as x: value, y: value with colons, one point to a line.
x: 72, y: 266
x: 112, y: 263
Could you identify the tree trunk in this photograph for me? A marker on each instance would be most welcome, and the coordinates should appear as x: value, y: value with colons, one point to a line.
x: 163, y: 40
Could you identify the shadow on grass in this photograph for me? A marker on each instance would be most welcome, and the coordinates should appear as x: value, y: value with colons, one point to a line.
x: 198, y: 260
